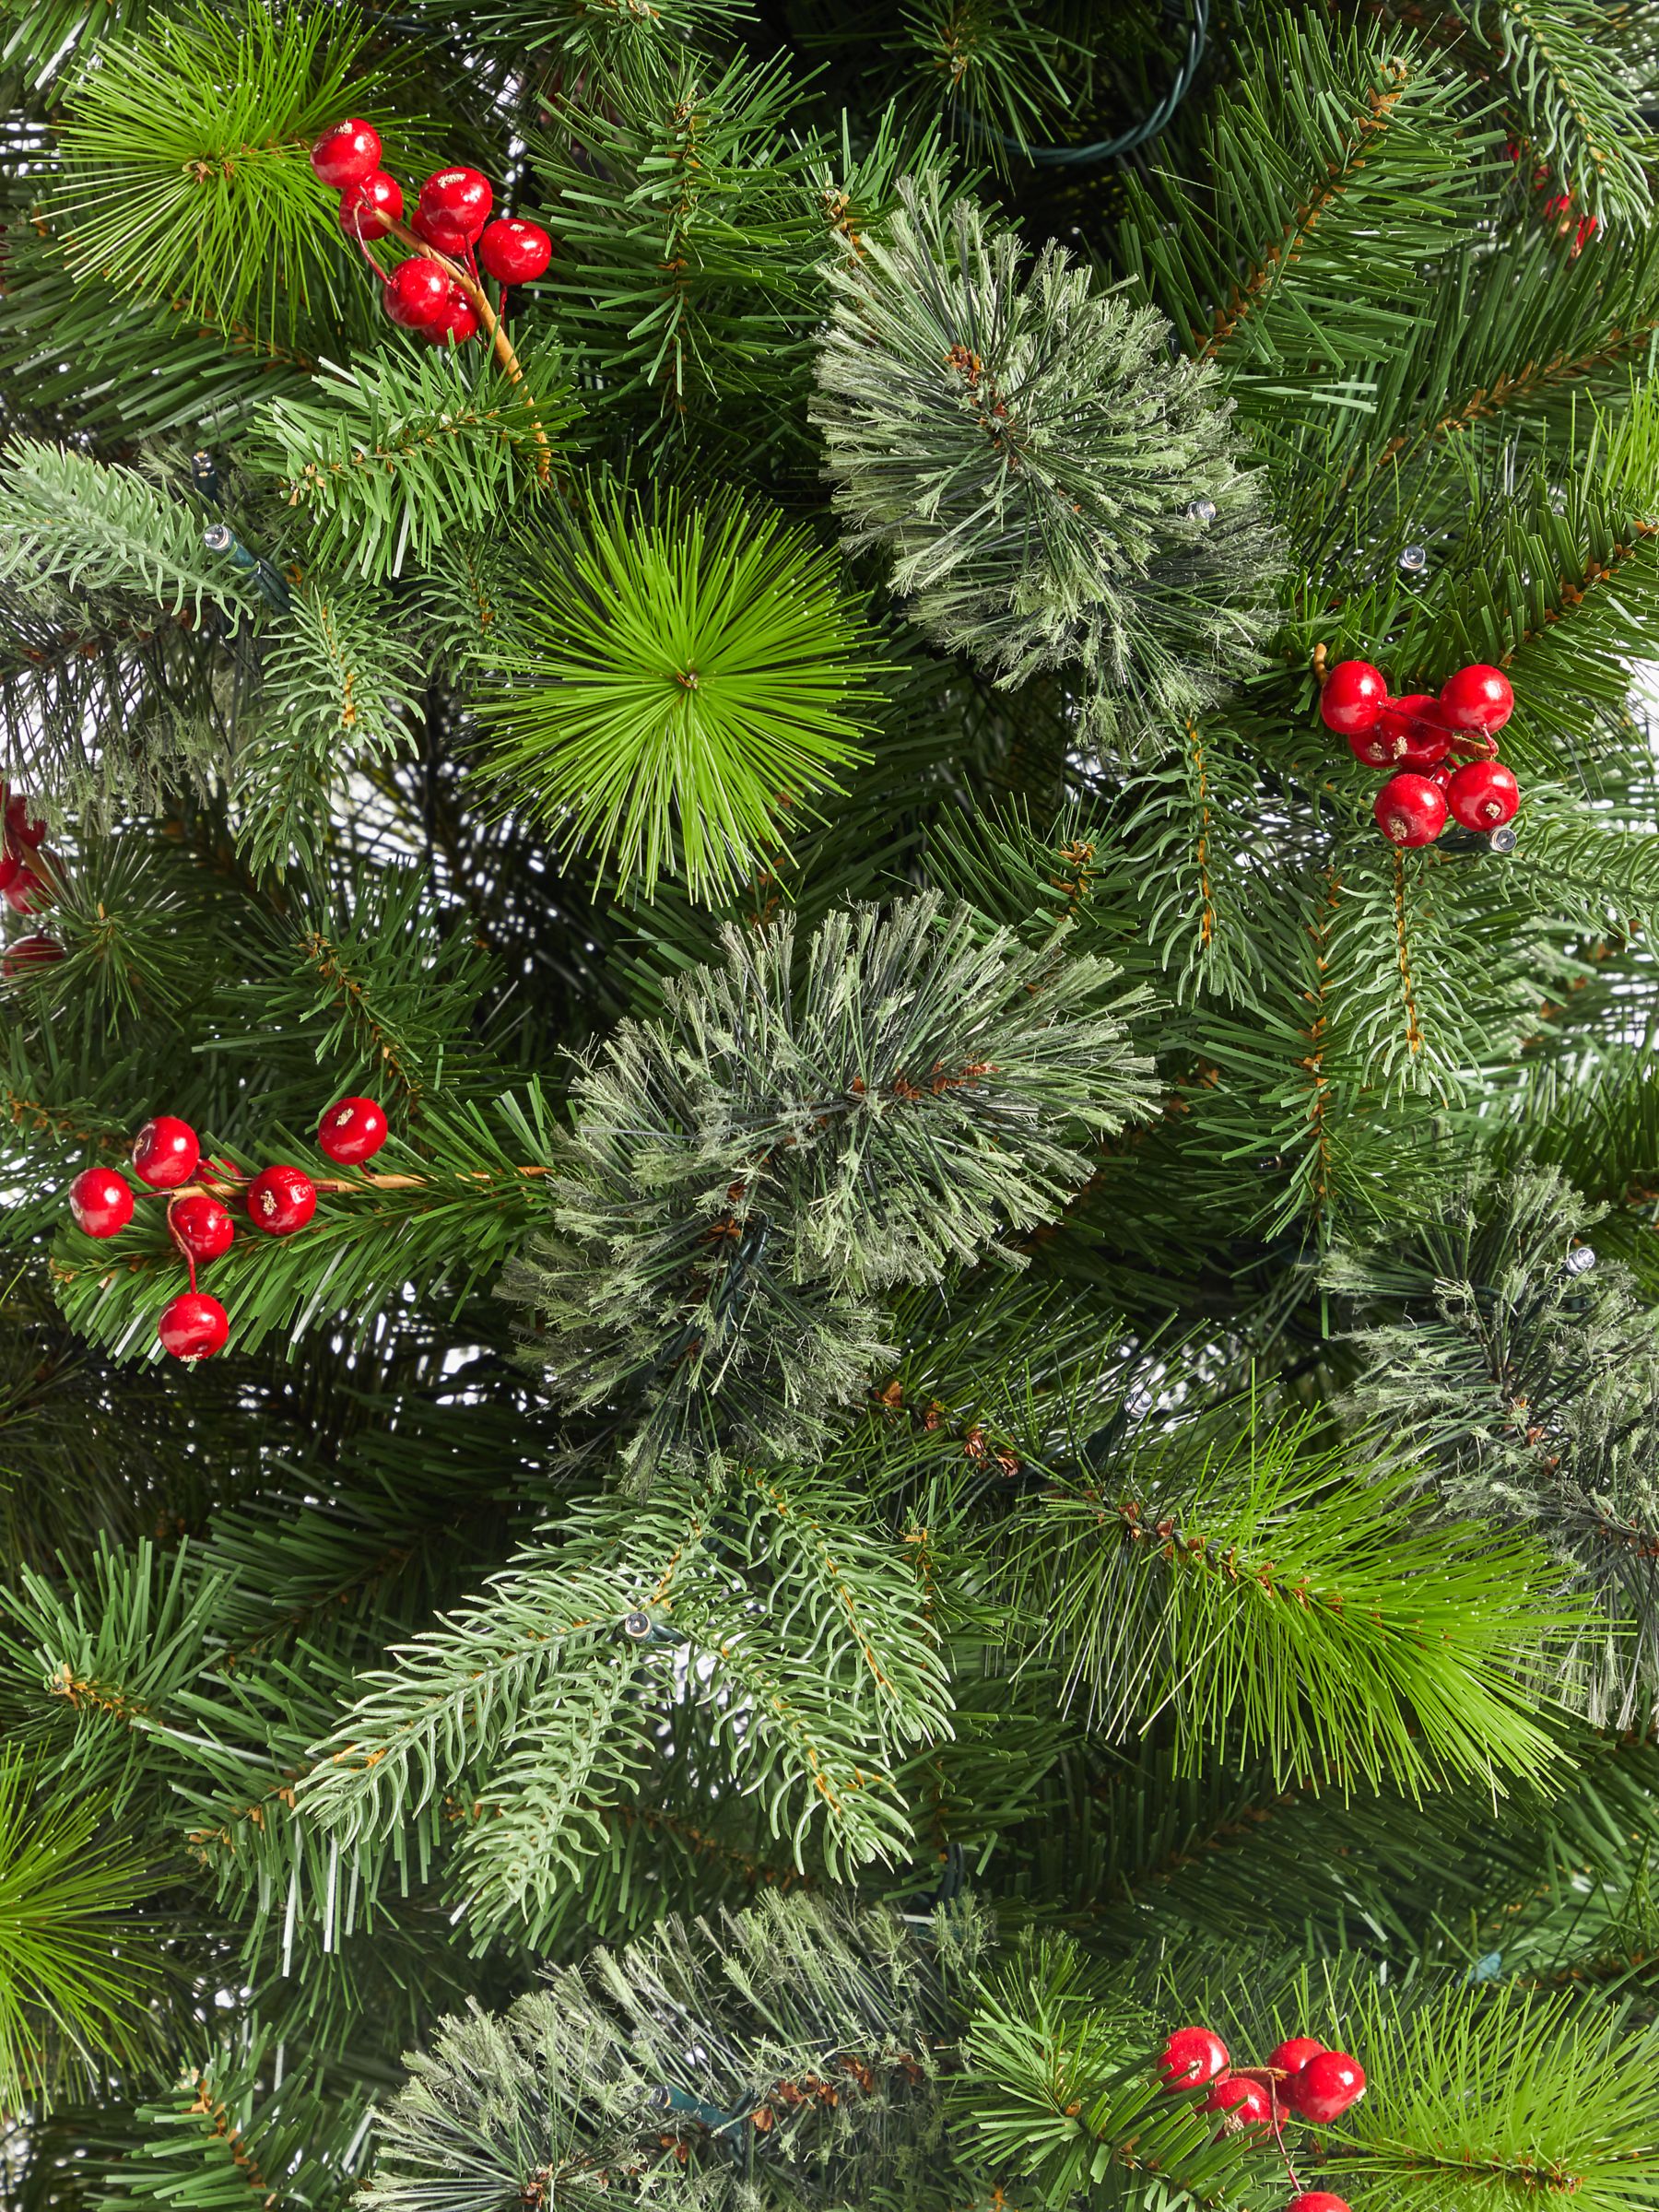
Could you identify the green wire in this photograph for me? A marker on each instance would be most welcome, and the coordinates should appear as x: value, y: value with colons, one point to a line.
x: 1105, y: 149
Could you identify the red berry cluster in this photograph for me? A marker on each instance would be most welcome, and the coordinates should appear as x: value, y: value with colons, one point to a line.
x: 1302, y: 2079
x: 167, y: 1154
x: 1415, y: 734
x: 451, y: 217
x: 26, y: 881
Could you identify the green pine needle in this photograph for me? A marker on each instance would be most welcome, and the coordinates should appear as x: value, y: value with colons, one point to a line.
x: 74, y: 1960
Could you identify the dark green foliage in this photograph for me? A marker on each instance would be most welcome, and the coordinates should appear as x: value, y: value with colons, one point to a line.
x: 970, y: 1289
x: 691, y: 229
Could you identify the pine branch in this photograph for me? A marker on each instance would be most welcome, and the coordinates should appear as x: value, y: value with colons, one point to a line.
x: 235, y: 2143
x: 339, y: 685
x: 184, y: 162
x: 1581, y: 117
x: 80, y: 524
x: 1040, y: 473
x: 1534, y: 1383
x: 402, y: 452
x: 449, y: 1220
x: 749, y: 1175
x: 1291, y: 246
x: 1287, y: 1602
x: 78, y: 1963
x: 538, y: 1707
x: 1452, y: 2122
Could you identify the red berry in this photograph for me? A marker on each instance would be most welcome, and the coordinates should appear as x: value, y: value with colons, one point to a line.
x: 1482, y: 793
x: 1351, y: 698
x: 165, y: 1152
x: 27, y: 892
x: 19, y: 828
x: 513, y: 251
x: 101, y: 1202
x: 1324, y: 2090
x: 352, y: 1131
x: 417, y: 294
x: 1240, y: 2102
x: 459, y: 321
x: 201, y: 1227
x: 1409, y: 810
x: 440, y: 235
x: 281, y: 1200
x: 370, y: 208
x: 10, y: 863
x: 1419, y: 729
x: 1290, y: 2057
x: 1318, y: 2200
x: 194, y: 1326
x: 1477, y: 698
x: 1378, y: 747
x: 458, y: 201
x: 1193, y: 2055
x: 31, y: 952
x: 346, y: 154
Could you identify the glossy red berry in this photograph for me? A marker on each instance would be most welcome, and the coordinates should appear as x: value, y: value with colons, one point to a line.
x: 417, y: 294
x: 20, y: 828
x: 370, y: 208
x: 281, y: 1200
x: 31, y: 952
x: 1419, y: 729
x: 1290, y: 2057
x: 456, y: 203
x: 346, y: 154
x: 101, y: 1202
x: 1324, y: 2090
x: 1477, y: 698
x: 1377, y: 747
x: 27, y: 891
x: 514, y: 252
x: 459, y: 323
x: 1410, y: 810
x: 1240, y: 2102
x: 10, y: 863
x: 1351, y: 698
x: 165, y: 1152
x: 352, y: 1131
x: 194, y: 1326
x: 435, y: 234
x: 1192, y: 2056
x: 1482, y: 793
x: 201, y: 1227
x: 1318, y: 2200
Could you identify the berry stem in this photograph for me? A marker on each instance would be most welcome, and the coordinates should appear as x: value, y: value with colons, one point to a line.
x: 1278, y: 2138
x: 487, y: 315
x: 365, y: 1181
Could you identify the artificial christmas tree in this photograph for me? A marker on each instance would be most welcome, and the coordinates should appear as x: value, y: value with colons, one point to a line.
x: 853, y: 818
